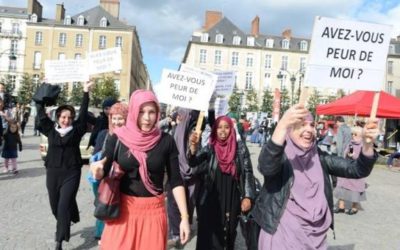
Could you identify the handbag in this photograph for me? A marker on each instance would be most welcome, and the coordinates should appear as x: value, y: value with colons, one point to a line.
x: 107, y: 204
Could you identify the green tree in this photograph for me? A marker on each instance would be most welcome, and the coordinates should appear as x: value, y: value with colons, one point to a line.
x: 285, y: 102
x: 251, y: 101
x: 8, y: 83
x: 63, y: 96
x: 104, y: 87
x: 76, y: 94
x: 340, y: 93
x: 313, y: 101
x: 26, y: 89
x: 267, y: 102
x: 234, y: 101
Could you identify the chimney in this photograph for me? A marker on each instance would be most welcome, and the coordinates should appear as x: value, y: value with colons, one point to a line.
x: 60, y: 12
x: 111, y: 6
x: 287, y: 33
x: 398, y: 38
x: 212, y: 18
x: 34, y: 7
x: 255, y: 26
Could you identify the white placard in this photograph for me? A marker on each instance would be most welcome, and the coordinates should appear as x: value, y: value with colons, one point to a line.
x: 186, y: 90
x: 221, y: 106
x: 103, y: 61
x: 193, y: 70
x: 225, y: 82
x: 59, y: 71
x: 347, y: 54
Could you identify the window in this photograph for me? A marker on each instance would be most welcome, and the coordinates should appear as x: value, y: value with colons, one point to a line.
x: 62, y: 40
x: 236, y: 40
x: 268, y: 61
x: 36, y: 79
x: 117, y: 83
x: 235, y: 58
x: 269, y: 43
x: 389, y: 87
x: 13, y: 79
x: 303, y: 45
x: 12, y: 65
x: 284, y: 62
x: 217, y: 59
x: 204, y: 37
x: 61, y: 56
x: 78, y: 40
x: 203, y: 56
x: 249, y: 60
x: 15, y: 28
x: 250, y: 41
x: 14, y: 47
x: 219, y: 38
x: 67, y: 20
x: 38, y: 38
x: 249, y: 80
x: 285, y: 44
x: 267, y: 80
x: 102, y: 42
x: 302, y: 64
x: 81, y: 20
x: 37, y: 59
x: 34, y: 18
x: 78, y: 56
x: 390, y: 67
x: 103, y: 22
x: 118, y: 41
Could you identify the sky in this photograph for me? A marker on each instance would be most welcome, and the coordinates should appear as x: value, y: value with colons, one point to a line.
x: 165, y: 26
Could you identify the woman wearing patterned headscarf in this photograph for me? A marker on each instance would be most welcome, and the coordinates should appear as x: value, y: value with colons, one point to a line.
x: 145, y: 155
x: 294, y: 208
x: 228, y: 188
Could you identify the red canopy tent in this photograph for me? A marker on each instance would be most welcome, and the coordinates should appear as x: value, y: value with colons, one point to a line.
x: 359, y: 103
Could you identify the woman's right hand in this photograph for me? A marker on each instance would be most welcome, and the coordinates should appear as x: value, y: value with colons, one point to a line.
x: 193, y: 141
x: 296, y: 114
x: 97, y: 169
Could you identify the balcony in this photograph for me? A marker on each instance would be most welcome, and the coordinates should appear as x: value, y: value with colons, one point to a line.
x: 11, y: 34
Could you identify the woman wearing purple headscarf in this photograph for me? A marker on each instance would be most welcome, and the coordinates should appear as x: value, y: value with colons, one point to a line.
x: 294, y: 208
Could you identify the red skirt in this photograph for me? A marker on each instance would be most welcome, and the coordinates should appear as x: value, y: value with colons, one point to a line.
x: 142, y: 224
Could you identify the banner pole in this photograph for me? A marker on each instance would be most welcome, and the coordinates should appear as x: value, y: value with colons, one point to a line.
x: 374, y: 110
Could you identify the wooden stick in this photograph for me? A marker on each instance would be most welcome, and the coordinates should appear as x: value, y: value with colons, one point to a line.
x: 374, y: 109
x: 199, y: 122
x: 303, y: 95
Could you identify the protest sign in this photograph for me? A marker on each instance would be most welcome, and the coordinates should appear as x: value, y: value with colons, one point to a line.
x: 59, y: 71
x: 103, y: 61
x: 347, y: 54
x: 186, y: 90
x: 225, y: 82
x: 221, y: 106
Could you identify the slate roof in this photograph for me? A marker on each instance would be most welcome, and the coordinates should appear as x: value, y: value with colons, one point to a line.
x: 13, y: 11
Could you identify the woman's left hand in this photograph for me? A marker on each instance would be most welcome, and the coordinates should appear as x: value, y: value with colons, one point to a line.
x: 246, y: 205
x: 184, y: 229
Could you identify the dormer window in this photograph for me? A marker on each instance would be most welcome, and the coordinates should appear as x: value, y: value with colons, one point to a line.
x: 81, y: 20
x: 67, y: 20
x: 285, y: 44
x: 392, y: 49
x: 236, y: 40
x: 269, y: 43
x: 204, y: 37
x: 103, y: 22
x: 303, y: 45
x: 34, y: 18
x: 219, y: 38
x: 250, y: 41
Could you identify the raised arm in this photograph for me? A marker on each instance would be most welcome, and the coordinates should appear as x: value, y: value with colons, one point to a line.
x: 83, y: 111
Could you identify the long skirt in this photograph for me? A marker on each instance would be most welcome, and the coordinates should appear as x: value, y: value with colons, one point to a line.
x: 142, y: 224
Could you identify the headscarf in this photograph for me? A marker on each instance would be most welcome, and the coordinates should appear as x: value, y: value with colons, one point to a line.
x: 117, y: 109
x: 225, y: 150
x: 179, y: 136
x: 138, y: 141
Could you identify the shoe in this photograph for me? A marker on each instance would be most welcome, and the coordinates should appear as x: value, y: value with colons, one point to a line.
x: 5, y: 170
x: 14, y: 171
x: 173, y: 242
x: 352, y: 211
x: 337, y: 210
x: 58, y: 245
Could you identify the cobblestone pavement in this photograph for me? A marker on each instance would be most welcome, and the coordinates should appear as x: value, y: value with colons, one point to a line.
x: 26, y: 221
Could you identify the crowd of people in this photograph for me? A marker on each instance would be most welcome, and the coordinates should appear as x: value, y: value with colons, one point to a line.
x: 172, y: 170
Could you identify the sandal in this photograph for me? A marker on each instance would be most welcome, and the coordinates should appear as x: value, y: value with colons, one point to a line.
x: 337, y: 210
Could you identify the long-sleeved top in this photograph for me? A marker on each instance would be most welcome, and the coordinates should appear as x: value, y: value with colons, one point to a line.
x: 64, y: 151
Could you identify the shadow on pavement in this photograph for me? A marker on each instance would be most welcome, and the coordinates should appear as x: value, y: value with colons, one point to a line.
x: 88, y: 235
x: 24, y: 173
x: 344, y: 247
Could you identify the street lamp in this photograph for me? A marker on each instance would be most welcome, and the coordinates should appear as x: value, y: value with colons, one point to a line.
x: 292, y: 80
x: 280, y: 77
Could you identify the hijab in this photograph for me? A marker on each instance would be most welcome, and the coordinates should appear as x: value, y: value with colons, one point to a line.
x: 138, y: 141
x: 225, y: 150
x: 179, y: 136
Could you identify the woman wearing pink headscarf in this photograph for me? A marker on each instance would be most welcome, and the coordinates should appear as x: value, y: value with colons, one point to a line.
x: 295, y: 205
x: 145, y: 155
x: 228, y: 188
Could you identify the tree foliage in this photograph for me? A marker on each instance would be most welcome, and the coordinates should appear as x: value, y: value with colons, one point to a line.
x: 63, y: 96
x: 26, y: 89
x: 251, y: 101
x: 76, y: 94
x: 285, y: 102
x: 104, y: 87
x: 267, y: 102
x: 8, y: 83
x: 234, y: 101
x: 313, y: 101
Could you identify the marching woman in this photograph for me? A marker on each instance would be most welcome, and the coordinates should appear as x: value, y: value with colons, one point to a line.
x: 228, y: 188
x: 63, y: 162
x: 295, y: 205
x: 145, y: 155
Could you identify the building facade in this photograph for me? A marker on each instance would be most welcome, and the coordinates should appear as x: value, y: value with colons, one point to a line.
x: 12, y: 43
x: 73, y: 36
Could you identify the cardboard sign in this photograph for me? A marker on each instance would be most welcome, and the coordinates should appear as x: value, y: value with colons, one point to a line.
x: 103, y: 61
x: 59, y: 71
x: 225, y: 82
x: 347, y: 54
x: 186, y: 90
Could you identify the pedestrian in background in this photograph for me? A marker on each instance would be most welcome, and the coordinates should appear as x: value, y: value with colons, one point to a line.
x: 145, y: 154
x: 295, y: 205
x: 12, y: 144
x: 64, y: 162
x: 228, y: 188
x: 351, y: 190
